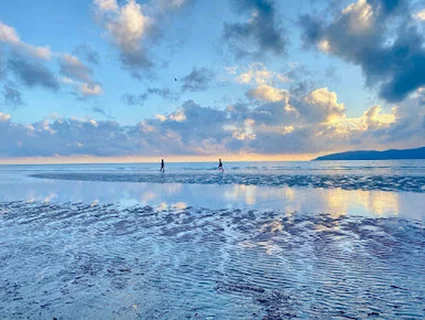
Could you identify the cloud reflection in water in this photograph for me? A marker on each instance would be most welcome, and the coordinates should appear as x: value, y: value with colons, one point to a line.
x: 336, y: 202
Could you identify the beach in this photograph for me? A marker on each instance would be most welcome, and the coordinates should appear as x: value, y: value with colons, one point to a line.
x: 309, y: 240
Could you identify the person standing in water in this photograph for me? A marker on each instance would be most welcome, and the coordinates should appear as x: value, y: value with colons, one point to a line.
x: 220, y: 165
x: 162, y: 166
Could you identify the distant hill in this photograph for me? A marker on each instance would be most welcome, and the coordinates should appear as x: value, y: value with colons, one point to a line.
x: 418, y: 153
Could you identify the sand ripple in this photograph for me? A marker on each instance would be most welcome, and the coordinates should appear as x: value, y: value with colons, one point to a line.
x: 346, y: 182
x: 79, y: 261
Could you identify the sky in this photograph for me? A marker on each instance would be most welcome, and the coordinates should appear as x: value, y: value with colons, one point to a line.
x: 192, y: 79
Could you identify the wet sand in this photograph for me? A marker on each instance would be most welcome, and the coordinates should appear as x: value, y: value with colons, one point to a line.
x: 180, y: 249
x: 101, y: 261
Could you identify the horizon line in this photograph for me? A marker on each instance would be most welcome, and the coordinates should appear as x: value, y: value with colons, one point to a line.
x: 150, y: 159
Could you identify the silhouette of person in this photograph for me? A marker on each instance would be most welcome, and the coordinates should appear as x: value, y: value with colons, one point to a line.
x: 162, y: 166
x: 220, y: 165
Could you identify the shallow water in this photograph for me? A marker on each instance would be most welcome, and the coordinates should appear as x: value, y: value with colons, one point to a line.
x: 177, y: 195
x: 361, y: 168
x: 189, y: 247
x: 403, y: 175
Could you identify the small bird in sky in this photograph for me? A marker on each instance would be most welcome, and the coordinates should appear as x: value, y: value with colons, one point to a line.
x: 175, y: 79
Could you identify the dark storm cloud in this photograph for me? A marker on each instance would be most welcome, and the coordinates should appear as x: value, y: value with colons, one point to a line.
x: 261, y: 34
x: 32, y: 73
x: 388, y: 47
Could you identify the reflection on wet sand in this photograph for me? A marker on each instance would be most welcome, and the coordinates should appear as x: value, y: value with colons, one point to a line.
x: 336, y: 202
x: 171, y: 206
x: 103, y: 261
x: 237, y: 192
x: 377, y: 202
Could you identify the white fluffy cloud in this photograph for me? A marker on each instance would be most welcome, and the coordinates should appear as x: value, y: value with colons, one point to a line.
x: 134, y: 28
x: 359, y: 15
x: 91, y: 89
x: 314, y: 123
x: 127, y: 27
x: 257, y: 73
x: 106, y: 5
x: 420, y: 15
x: 325, y: 103
x: 8, y: 35
x: 268, y: 94
x: 4, y: 116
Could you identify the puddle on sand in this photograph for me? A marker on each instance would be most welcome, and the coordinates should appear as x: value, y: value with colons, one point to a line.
x: 176, y: 195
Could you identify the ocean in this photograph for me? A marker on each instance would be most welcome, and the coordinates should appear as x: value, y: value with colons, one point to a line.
x: 263, y: 240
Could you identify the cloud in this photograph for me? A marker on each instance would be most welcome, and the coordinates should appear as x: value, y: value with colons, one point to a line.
x: 388, y: 7
x: 73, y: 68
x: 4, y: 117
x: 32, y: 73
x: 91, y: 89
x: 322, y: 105
x: 103, y: 112
x: 106, y: 5
x: 171, y: 4
x: 9, y: 36
x: 79, y: 75
x: 373, y: 118
x: 197, y: 80
x: 28, y: 64
x: 268, y: 93
x: 12, y: 96
x: 420, y: 15
x: 132, y: 99
x: 134, y: 29
x: 127, y: 27
x: 359, y: 16
x: 88, y: 53
x: 2, y: 65
x: 319, y: 106
x: 311, y: 123
x: 257, y: 73
x: 381, y: 37
x: 260, y: 35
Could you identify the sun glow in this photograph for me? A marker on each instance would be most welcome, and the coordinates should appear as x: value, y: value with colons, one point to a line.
x: 168, y: 158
